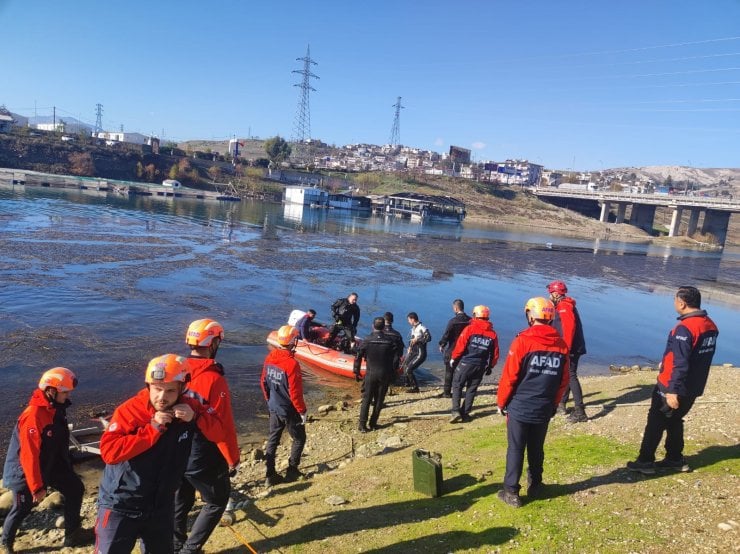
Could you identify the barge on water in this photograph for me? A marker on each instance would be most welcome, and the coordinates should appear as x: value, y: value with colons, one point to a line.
x: 422, y: 207
x: 319, y: 198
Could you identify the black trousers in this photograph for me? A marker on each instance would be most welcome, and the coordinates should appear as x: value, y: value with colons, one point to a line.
x: 468, y: 377
x: 662, y: 419
x: 416, y: 357
x: 524, y: 436
x: 66, y: 482
x: 214, y: 486
x: 374, y: 389
x: 574, y: 385
x: 449, y: 371
x: 297, y: 433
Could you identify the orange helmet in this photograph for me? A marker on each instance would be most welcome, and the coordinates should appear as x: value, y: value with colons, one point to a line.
x: 202, y: 332
x: 167, y: 369
x: 286, y: 334
x: 481, y: 312
x: 557, y: 286
x: 60, y: 378
x: 540, y: 308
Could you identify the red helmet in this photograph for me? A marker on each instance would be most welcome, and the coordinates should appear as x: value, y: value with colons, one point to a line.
x: 557, y: 286
x: 202, y: 332
x: 286, y: 334
x: 60, y: 378
x: 167, y: 369
x: 540, y: 308
x: 482, y: 312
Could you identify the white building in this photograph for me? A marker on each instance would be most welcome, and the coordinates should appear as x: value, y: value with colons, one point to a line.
x: 133, y: 138
x: 306, y: 196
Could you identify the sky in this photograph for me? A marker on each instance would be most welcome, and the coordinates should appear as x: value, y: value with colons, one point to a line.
x: 582, y: 85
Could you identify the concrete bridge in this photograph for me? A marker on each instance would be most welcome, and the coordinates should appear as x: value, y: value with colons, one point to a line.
x: 716, y: 211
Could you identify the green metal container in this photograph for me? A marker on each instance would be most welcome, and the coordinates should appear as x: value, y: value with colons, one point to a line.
x: 427, y: 468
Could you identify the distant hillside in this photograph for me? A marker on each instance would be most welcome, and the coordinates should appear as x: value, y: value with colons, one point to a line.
x: 71, y: 122
x: 705, y: 178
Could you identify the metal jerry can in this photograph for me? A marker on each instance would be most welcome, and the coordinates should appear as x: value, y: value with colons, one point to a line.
x: 427, y: 467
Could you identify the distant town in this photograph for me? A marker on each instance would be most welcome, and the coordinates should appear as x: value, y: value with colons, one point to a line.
x: 316, y: 155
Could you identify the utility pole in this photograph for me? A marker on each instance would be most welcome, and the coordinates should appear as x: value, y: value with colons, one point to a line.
x: 396, y: 129
x: 302, y: 123
x: 98, y: 118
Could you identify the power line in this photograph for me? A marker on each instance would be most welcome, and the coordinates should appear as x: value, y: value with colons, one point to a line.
x: 302, y: 124
x: 396, y: 128
x: 98, y: 118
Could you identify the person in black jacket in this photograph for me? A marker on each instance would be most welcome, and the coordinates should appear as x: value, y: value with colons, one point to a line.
x: 448, y: 340
x: 382, y: 354
x: 346, y: 314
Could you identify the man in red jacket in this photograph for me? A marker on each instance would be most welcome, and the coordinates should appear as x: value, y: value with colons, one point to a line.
x: 38, y: 457
x: 568, y: 324
x: 475, y: 354
x: 683, y: 375
x: 282, y: 386
x: 210, y: 463
x: 533, y: 381
x: 146, y: 449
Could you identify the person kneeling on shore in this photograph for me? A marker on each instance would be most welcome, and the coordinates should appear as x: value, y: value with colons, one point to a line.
x: 533, y: 382
x: 38, y: 456
x: 145, y: 449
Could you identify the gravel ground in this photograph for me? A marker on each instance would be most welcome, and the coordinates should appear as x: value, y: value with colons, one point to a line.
x: 703, y: 506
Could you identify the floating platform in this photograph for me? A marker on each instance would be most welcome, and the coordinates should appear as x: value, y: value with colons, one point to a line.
x: 34, y: 178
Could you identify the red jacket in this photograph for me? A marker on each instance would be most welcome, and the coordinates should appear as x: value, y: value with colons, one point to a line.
x: 144, y: 466
x: 282, y: 383
x: 535, y: 375
x: 688, y: 355
x: 477, y: 344
x: 208, y: 385
x: 39, y: 442
x: 130, y: 431
x: 568, y: 323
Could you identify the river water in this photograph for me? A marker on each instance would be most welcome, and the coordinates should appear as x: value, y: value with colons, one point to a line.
x: 102, y: 283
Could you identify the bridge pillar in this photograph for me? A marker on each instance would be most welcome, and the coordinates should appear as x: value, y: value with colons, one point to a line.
x: 715, y: 224
x: 693, y: 221
x: 605, y: 209
x: 621, y: 211
x: 673, y: 231
x: 643, y: 216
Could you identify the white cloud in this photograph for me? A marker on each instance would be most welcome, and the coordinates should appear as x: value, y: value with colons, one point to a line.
x: 478, y: 145
x: 439, y: 142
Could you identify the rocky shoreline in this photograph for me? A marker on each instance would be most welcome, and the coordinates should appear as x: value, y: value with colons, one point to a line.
x: 335, y: 451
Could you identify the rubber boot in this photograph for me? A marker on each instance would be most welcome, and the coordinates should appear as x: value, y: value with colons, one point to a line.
x: 578, y: 415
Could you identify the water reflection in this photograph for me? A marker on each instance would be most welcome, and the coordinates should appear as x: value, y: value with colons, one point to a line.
x: 102, y: 283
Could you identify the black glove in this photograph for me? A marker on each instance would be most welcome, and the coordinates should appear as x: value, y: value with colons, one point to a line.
x: 357, y: 377
x: 488, y: 371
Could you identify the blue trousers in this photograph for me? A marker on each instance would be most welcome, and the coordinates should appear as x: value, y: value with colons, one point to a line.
x: 117, y: 534
x: 67, y: 483
x: 296, y: 431
x: 524, y: 436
